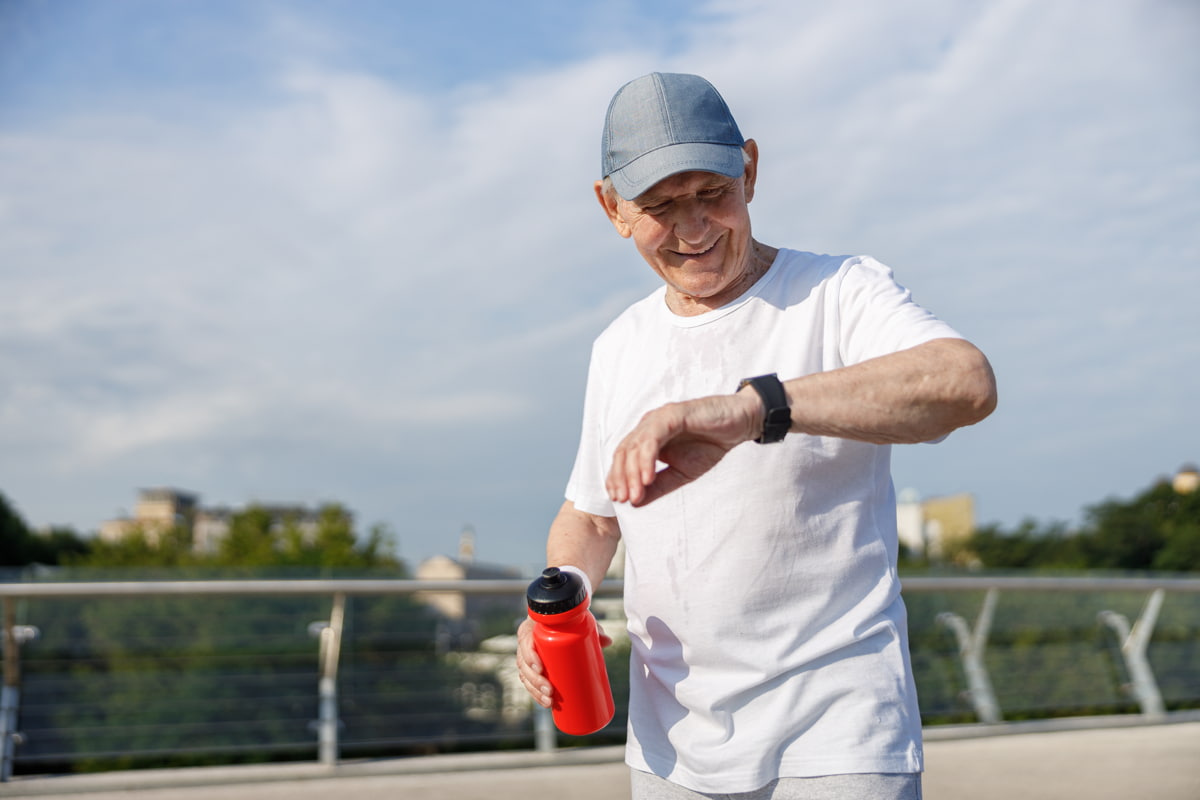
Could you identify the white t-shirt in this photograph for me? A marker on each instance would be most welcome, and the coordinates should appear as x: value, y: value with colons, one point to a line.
x: 769, y: 637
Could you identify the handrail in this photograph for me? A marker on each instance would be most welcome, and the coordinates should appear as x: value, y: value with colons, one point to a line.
x: 376, y: 586
x: 1088, y: 583
x: 256, y: 586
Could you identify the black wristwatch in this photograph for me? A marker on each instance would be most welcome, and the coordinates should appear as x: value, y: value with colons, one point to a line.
x: 777, y: 415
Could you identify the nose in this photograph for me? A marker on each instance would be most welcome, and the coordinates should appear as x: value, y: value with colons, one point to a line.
x: 691, y: 221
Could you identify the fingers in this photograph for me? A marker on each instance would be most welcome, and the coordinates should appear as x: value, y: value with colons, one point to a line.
x: 617, y: 483
x: 664, y: 483
x: 529, y: 667
x: 625, y: 482
x: 688, y: 437
x: 635, y: 461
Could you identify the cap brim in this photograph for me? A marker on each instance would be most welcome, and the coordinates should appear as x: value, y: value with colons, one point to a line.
x: 639, y: 175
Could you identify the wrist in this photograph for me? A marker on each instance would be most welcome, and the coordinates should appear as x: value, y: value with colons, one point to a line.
x: 751, y: 410
x: 774, y: 415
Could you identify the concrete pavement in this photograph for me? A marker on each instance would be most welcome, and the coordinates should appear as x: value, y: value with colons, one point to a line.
x: 1030, y: 762
x: 1161, y: 762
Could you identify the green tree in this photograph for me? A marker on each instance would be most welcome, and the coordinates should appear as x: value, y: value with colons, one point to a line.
x: 1157, y: 529
x: 20, y: 547
x: 1029, y: 546
x: 1181, y: 551
x: 139, y: 548
x: 251, y: 540
x: 258, y: 537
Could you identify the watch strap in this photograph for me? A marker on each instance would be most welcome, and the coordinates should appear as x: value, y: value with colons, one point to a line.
x: 777, y: 415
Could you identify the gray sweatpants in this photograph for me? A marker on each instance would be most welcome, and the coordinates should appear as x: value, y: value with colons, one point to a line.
x: 869, y: 786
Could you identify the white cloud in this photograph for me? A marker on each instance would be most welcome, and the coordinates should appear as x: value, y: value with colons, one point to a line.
x: 349, y: 285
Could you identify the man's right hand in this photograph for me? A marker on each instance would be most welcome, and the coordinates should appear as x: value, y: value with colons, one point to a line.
x: 689, y: 437
x: 530, y: 666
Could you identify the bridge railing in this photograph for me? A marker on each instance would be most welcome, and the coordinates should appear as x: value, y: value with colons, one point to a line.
x: 115, y: 673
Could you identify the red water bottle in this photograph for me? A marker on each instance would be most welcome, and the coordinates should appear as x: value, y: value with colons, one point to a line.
x: 567, y: 641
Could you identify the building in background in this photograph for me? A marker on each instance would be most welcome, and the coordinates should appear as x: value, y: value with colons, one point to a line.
x: 1186, y: 480
x: 928, y: 528
x: 161, y: 509
x: 158, y: 510
x: 464, y: 617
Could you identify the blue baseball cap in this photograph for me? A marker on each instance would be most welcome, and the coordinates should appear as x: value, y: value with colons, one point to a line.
x: 665, y: 123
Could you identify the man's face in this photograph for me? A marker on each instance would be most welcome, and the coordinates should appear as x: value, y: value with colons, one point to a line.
x: 693, y: 229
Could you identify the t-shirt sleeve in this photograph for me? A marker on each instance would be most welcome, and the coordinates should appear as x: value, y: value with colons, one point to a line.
x: 586, y: 486
x: 878, y: 316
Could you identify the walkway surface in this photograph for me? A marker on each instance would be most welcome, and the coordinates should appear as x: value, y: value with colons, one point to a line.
x: 1156, y: 762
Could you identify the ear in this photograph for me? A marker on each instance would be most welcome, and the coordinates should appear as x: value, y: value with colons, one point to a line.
x: 609, y: 203
x: 751, y: 148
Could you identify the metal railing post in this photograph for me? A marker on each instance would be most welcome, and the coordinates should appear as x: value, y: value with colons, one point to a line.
x: 14, y: 636
x: 327, y: 705
x: 1134, y: 643
x: 971, y: 646
x: 10, y: 695
x: 544, y: 736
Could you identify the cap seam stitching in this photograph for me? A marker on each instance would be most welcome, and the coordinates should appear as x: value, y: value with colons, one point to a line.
x: 663, y: 108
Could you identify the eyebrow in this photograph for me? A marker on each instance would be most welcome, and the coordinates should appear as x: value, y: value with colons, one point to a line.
x: 648, y: 199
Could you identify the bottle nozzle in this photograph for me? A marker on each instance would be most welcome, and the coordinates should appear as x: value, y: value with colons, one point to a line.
x: 555, y: 592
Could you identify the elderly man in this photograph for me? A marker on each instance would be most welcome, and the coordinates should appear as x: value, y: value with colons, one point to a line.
x: 736, y: 434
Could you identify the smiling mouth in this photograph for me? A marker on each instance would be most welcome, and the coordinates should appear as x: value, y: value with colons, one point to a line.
x: 698, y: 254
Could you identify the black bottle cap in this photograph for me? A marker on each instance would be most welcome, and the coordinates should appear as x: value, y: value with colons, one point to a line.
x: 556, y: 592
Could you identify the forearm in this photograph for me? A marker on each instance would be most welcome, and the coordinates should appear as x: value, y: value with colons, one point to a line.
x: 911, y: 396
x: 582, y: 540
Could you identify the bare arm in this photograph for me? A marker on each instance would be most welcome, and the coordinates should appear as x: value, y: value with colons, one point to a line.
x: 577, y: 539
x: 911, y: 396
x: 582, y: 540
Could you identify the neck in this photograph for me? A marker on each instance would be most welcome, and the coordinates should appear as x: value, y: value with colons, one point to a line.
x: 758, y: 261
x: 761, y: 258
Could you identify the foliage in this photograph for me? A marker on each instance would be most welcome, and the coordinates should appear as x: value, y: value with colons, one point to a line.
x: 1029, y: 546
x: 138, y: 548
x: 257, y: 538
x: 20, y: 547
x: 1158, y: 529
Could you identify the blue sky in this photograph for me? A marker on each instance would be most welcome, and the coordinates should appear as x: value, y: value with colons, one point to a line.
x: 306, y: 251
